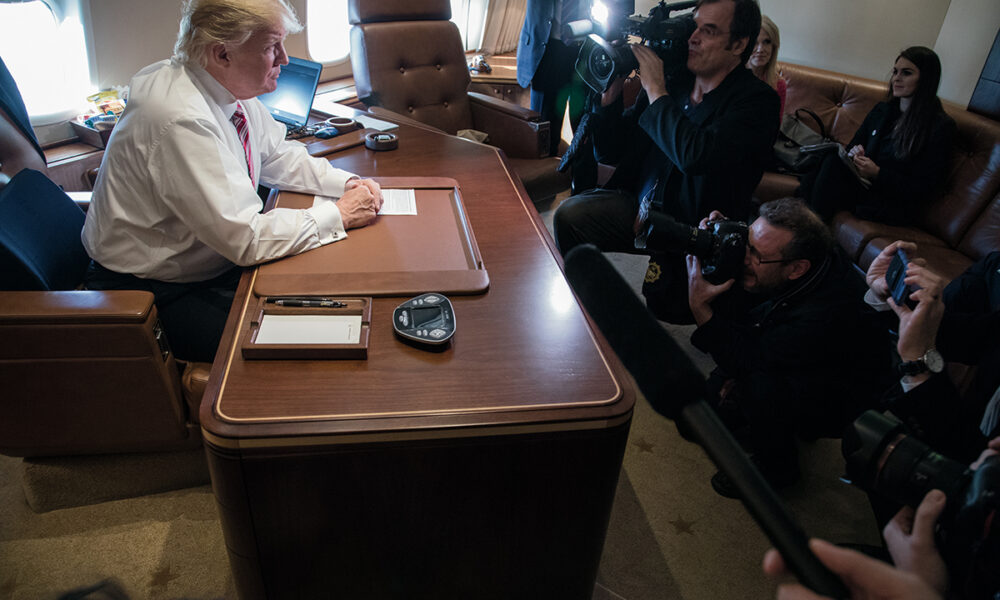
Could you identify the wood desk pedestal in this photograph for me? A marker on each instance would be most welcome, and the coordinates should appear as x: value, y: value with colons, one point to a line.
x: 487, y: 470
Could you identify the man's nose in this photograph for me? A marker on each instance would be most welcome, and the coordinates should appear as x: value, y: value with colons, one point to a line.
x: 282, y: 58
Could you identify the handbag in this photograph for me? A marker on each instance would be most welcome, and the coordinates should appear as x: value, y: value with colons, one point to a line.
x: 792, y: 136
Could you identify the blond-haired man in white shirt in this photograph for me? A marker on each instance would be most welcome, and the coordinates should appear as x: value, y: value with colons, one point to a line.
x: 175, y: 208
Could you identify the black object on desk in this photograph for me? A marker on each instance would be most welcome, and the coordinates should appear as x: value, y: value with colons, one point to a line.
x: 306, y: 302
x: 426, y: 319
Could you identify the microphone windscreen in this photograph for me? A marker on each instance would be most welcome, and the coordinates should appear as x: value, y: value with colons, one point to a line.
x: 663, y: 371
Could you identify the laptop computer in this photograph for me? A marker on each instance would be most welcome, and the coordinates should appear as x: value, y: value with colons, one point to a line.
x: 292, y: 100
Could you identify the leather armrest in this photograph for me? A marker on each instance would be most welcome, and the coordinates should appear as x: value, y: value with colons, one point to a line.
x: 73, y: 307
x: 83, y: 324
x: 385, y: 113
x: 87, y: 372
x: 517, y: 131
x: 497, y: 104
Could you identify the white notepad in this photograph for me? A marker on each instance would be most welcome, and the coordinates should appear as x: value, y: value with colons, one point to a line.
x: 309, y: 329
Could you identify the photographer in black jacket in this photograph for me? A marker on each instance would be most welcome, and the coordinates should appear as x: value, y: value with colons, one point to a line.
x: 800, y: 352
x: 687, y: 146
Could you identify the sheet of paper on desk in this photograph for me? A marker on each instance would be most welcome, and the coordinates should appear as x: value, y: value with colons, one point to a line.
x: 328, y: 106
x: 309, y: 329
x: 398, y: 202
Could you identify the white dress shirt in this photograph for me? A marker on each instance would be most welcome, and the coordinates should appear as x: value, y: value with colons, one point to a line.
x: 173, y: 200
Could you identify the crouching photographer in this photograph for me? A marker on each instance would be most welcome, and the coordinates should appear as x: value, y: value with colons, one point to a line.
x: 798, y: 351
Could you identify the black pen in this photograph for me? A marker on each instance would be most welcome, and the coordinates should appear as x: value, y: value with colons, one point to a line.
x: 308, y: 302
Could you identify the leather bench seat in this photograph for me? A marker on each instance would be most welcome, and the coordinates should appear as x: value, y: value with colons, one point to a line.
x: 958, y: 226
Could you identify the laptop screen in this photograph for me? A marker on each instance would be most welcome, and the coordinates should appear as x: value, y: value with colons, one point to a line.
x: 291, y: 101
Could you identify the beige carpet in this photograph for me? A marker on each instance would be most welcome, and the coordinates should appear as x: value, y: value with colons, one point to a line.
x: 670, y: 535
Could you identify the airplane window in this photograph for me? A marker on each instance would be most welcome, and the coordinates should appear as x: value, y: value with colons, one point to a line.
x: 327, y: 30
x: 470, y: 16
x: 47, y: 58
x: 330, y: 41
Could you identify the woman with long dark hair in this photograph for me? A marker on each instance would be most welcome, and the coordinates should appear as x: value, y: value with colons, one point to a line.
x: 899, y: 154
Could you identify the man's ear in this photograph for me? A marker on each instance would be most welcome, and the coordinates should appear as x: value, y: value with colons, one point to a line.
x: 219, y: 54
x: 798, y: 268
x: 739, y: 46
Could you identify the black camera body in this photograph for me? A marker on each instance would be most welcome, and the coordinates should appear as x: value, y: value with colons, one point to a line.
x: 601, y: 61
x: 884, y: 460
x: 721, y: 247
x: 729, y: 247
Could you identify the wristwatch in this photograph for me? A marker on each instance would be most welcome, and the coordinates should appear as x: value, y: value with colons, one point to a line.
x: 930, y: 361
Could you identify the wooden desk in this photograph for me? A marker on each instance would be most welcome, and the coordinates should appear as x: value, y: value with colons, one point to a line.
x: 484, y: 471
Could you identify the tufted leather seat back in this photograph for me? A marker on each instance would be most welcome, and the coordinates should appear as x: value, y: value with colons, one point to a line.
x: 408, y: 57
x: 841, y: 101
x: 966, y: 216
x: 972, y: 198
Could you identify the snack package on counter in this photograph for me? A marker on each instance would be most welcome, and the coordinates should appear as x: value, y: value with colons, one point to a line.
x: 106, y: 107
x: 108, y: 102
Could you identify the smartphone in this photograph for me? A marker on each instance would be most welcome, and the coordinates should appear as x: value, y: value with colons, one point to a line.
x: 895, y: 278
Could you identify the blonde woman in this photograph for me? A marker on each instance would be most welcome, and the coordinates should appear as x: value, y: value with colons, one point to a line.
x: 764, y: 60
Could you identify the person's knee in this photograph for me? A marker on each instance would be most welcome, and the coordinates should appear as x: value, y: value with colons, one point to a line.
x: 565, y: 225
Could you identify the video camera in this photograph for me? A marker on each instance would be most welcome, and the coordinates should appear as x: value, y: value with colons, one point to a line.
x: 883, y: 459
x: 601, y: 61
x: 721, y: 248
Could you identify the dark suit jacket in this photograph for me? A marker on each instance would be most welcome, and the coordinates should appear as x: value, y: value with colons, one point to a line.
x: 902, y: 185
x: 711, y: 158
x: 12, y: 104
x: 814, y: 356
x: 534, y: 36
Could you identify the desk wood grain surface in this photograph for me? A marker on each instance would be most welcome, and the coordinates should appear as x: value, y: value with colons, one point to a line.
x: 524, y: 353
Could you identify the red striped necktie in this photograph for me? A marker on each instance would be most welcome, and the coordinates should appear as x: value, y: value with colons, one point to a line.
x: 239, y: 119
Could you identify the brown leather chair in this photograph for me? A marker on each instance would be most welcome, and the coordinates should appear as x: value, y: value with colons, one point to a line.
x: 408, y: 58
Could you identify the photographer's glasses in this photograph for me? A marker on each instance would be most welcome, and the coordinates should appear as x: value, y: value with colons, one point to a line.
x: 757, y: 261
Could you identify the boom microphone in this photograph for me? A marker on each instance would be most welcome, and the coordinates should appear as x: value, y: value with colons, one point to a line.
x: 663, y: 371
x: 673, y: 386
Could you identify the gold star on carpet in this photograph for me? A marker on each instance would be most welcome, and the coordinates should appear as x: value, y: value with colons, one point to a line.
x: 682, y: 526
x: 643, y: 445
x: 162, y: 577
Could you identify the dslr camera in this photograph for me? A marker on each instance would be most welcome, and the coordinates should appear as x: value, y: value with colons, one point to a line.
x: 721, y: 247
x: 603, y: 59
x: 883, y: 459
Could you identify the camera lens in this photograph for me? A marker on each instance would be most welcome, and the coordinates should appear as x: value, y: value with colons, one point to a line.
x: 882, y: 458
x: 600, y: 64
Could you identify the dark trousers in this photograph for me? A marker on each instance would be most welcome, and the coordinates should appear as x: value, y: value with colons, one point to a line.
x: 193, y: 314
x: 606, y: 218
x: 832, y: 187
x: 555, y: 84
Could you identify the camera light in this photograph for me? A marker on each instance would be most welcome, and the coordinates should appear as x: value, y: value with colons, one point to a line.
x: 599, y: 13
